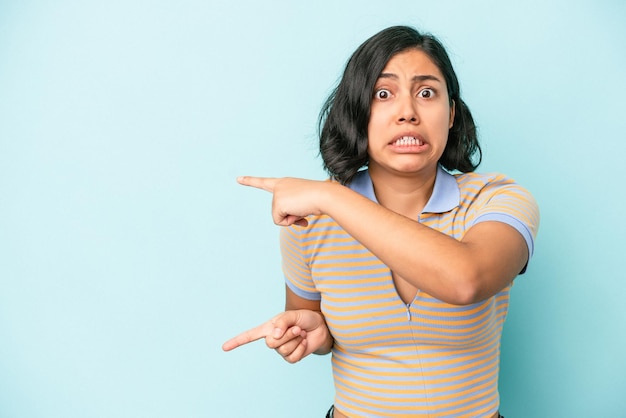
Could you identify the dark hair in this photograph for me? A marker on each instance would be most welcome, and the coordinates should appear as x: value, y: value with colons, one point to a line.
x: 345, y: 115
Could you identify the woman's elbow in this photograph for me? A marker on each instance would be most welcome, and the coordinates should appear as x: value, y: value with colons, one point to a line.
x: 468, y: 288
x: 465, y: 294
x: 475, y: 287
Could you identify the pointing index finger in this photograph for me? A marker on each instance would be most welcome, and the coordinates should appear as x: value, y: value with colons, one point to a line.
x: 265, y: 183
x: 249, y: 336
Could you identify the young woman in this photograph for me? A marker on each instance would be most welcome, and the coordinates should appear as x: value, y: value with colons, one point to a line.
x: 400, y: 264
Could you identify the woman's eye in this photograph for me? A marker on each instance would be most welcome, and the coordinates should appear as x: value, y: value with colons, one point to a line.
x: 382, y: 94
x: 426, y: 93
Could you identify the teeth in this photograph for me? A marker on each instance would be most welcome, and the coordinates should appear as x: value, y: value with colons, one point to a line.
x: 408, y: 140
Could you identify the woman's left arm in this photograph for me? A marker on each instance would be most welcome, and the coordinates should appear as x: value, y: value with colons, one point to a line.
x: 490, y: 255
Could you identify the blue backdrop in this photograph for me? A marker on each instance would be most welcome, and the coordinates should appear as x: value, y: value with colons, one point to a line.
x: 128, y: 253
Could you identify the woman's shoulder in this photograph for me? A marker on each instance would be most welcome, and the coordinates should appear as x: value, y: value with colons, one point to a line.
x: 474, y: 181
x: 490, y: 184
x: 482, y: 178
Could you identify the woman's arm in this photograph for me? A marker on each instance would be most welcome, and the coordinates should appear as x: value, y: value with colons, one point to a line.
x: 487, y: 259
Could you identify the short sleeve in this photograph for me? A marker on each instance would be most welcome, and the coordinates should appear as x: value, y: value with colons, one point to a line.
x: 295, y: 265
x: 508, y: 202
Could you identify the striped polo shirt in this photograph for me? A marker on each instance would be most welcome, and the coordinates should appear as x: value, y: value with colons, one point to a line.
x: 423, y: 359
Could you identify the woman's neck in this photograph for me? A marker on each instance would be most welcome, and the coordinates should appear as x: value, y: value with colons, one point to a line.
x: 406, y: 195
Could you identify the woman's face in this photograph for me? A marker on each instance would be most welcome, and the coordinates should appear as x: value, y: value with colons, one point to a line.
x: 410, y: 116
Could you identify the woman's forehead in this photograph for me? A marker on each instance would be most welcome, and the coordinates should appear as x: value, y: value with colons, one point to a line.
x: 414, y: 62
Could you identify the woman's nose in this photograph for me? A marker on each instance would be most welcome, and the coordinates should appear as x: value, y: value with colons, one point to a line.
x: 407, y: 111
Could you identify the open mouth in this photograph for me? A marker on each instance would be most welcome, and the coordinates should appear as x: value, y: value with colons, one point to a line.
x: 407, y: 141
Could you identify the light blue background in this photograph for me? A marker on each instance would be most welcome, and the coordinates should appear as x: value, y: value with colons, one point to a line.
x: 128, y: 253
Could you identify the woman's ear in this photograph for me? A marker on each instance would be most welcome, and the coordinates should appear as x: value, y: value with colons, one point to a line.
x: 452, y: 113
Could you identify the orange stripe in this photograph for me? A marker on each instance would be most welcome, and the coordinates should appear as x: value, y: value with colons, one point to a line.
x: 431, y: 393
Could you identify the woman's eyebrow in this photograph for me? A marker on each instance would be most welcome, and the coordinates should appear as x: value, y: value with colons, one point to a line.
x: 415, y: 79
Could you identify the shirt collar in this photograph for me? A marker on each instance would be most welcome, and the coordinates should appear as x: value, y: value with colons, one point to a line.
x: 446, y: 195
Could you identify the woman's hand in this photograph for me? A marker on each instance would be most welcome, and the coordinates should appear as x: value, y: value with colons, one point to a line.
x: 293, y: 334
x: 294, y: 199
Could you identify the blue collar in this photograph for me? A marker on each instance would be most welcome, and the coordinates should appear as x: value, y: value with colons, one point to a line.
x: 446, y: 195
